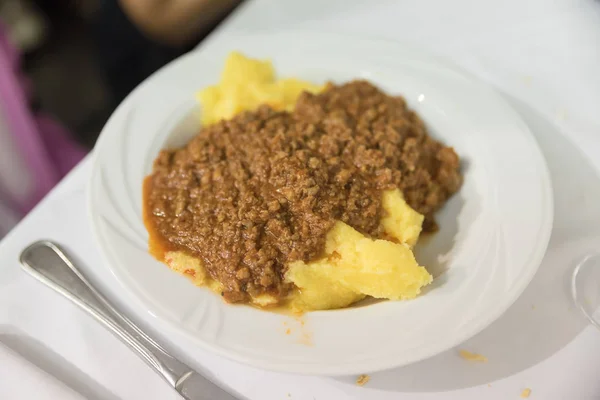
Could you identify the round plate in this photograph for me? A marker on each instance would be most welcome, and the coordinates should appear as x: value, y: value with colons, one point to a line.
x: 493, y: 234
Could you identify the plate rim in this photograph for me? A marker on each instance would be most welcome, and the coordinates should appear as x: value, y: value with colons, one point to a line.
x: 339, y: 369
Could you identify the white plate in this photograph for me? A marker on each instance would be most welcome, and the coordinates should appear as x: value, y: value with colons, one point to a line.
x: 493, y: 235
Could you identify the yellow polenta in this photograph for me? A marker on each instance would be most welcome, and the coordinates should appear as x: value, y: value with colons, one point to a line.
x: 355, y: 266
x: 247, y: 83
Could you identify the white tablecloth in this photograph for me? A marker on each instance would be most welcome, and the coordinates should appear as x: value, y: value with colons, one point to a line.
x: 543, y: 55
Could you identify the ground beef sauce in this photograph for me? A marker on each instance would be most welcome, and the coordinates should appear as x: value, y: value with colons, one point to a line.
x: 249, y: 195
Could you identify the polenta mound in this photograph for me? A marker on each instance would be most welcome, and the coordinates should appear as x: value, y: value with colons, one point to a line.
x: 308, y: 196
x: 246, y: 84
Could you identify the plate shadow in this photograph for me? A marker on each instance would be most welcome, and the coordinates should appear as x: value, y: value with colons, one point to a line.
x: 54, y: 364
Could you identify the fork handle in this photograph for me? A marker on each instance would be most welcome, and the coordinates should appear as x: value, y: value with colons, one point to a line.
x: 46, y: 262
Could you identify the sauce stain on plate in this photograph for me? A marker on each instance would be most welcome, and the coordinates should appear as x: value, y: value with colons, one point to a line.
x: 525, y: 393
x: 296, y: 328
x: 467, y: 355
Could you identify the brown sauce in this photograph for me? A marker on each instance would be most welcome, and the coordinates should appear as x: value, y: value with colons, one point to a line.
x: 158, y: 245
x: 249, y: 195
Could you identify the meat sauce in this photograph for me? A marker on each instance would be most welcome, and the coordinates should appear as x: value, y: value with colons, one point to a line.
x: 249, y: 195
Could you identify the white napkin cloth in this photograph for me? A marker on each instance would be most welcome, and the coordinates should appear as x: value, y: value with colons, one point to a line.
x: 21, y: 379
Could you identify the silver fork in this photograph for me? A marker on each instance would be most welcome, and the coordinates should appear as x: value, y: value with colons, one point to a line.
x: 46, y: 262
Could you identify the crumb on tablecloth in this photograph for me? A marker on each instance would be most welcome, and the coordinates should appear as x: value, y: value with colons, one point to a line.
x: 467, y: 355
x: 363, y: 380
x: 525, y: 393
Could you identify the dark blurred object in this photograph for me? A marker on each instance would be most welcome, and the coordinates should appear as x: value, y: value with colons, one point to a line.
x: 67, y: 78
x: 129, y: 54
x: 127, y: 57
x: 25, y: 23
x: 89, y: 58
x: 176, y: 22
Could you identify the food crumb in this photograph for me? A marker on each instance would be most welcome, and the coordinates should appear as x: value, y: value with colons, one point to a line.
x: 363, y: 380
x: 306, y: 339
x: 525, y: 393
x: 467, y: 355
x: 489, y: 385
x: 288, y: 331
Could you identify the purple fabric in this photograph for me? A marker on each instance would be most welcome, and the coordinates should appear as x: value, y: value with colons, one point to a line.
x: 43, y: 144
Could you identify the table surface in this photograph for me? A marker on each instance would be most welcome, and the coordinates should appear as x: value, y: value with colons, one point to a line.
x: 542, y: 55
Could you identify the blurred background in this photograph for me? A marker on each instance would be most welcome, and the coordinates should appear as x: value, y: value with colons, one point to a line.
x: 64, y: 67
